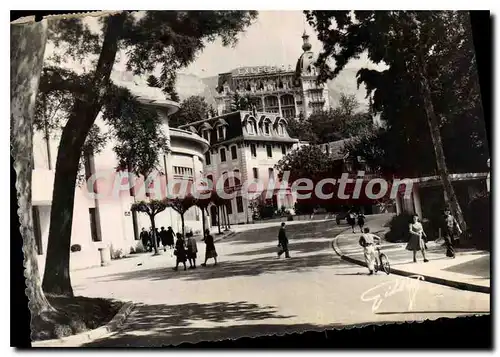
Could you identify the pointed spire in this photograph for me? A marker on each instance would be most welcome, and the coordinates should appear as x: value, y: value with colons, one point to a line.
x: 306, y: 46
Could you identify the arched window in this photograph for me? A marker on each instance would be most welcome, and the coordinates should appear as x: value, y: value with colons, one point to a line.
x: 237, y: 181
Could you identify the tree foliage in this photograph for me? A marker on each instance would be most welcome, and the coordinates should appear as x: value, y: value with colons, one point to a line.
x: 161, y: 41
x: 343, y: 121
x: 307, y: 162
x: 390, y: 38
x: 192, y: 109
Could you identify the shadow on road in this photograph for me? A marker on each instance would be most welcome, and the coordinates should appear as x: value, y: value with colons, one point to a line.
x: 299, y: 231
x: 298, y: 247
x: 253, y: 267
x: 169, y: 324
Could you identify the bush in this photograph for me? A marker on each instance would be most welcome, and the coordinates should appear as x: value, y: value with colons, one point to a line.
x: 117, y: 253
x: 479, y: 220
x: 76, y: 248
x: 399, y: 231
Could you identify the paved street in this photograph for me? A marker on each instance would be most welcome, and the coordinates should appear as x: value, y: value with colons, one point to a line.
x: 253, y: 293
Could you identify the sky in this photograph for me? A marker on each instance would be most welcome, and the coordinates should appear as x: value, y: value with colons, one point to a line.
x: 275, y: 38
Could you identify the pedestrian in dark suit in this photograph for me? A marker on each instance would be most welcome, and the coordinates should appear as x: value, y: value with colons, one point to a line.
x: 164, y: 238
x: 180, y: 252
x: 451, y: 231
x: 283, y: 242
x: 170, y: 237
x: 145, y: 239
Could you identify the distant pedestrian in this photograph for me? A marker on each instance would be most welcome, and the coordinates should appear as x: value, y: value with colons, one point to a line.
x: 351, y: 220
x: 416, y: 242
x: 367, y: 241
x: 361, y: 221
x: 158, y: 237
x: 283, y: 242
x: 164, y: 238
x: 451, y: 231
x: 210, y: 251
x: 170, y: 237
x: 180, y: 252
x: 192, y: 250
x: 145, y: 239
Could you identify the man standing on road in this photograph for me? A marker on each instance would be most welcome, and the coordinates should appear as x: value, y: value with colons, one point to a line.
x: 367, y: 241
x: 451, y: 230
x: 145, y: 239
x: 283, y: 242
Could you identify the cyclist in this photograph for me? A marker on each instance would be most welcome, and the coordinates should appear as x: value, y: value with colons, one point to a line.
x: 367, y: 241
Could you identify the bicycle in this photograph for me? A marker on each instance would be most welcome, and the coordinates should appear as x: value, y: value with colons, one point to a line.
x: 382, y: 263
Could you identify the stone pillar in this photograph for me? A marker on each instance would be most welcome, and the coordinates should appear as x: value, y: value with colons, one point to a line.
x: 416, y: 201
x: 263, y: 104
x: 279, y: 106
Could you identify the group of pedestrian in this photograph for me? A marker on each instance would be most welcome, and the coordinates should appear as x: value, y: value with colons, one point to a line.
x: 450, y: 229
x: 356, y: 217
x: 162, y: 237
x: 188, y: 250
x: 417, y: 242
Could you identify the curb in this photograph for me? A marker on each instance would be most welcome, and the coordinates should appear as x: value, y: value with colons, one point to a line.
x: 428, y: 278
x: 88, y: 336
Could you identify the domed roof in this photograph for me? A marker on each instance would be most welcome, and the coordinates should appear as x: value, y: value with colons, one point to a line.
x: 305, y: 63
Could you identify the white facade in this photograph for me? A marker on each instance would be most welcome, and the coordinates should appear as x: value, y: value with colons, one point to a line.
x: 108, y: 221
x: 248, y: 146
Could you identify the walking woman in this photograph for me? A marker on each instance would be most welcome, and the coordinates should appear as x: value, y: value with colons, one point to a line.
x: 361, y: 221
x: 351, y: 220
x: 209, y: 248
x: 192, y: 249
x: 180, y: 252
x: 416, y: 242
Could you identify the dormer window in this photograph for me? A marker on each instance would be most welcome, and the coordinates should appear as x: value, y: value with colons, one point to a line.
x: 220, y: 133
x: 250, y: 128
x: 281, y: 129
x: 206, y: 135
x: 267, y: 128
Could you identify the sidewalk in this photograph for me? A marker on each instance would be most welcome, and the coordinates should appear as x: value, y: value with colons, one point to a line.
x: 470, y: 270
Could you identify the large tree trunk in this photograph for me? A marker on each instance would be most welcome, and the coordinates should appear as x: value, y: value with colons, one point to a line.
x: 183, y: 227
x: 85, y: 110
x: 203, y: 221
x: 27, y: 51
x: 450, y: 195
x: 154, y: 238
x: 218, y: 218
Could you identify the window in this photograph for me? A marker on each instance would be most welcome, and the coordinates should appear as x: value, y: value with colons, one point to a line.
x: 271, y: 173
x: 267, y: 128
x: 269, y: 151
x: 239, y: 204
x: 206, y: 135
x: 222, y: 155
x: 236, y: 174
x: 234, y: 155
x: 36, y: 230
x: 229, y: 207
x: 255, y: 172
x: 220, y: 132
x: 210, y: 182
x: 93, y: 225
x: 283, y: 149
x: 253, y: 149
x: 250, y: 128
x: 207, y: 158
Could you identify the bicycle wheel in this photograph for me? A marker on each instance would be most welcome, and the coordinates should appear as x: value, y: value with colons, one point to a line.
x: 384, y: 262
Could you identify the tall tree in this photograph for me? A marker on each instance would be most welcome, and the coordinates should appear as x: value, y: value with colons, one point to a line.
x: 166, y: 39
x: 192, y: 109
x: 429, y: 55
x: 151, y: 208
x: 26, y: 60
x: 181, y: 205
